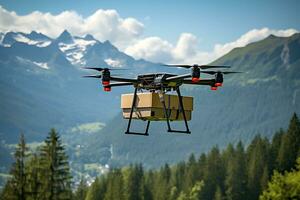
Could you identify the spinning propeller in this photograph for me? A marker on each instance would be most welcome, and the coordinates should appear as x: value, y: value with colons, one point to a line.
x: 100, y: 69
x: 216, y: 72
x: 198, y: 66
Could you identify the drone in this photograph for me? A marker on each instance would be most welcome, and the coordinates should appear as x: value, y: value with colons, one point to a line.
x: 157, y: 85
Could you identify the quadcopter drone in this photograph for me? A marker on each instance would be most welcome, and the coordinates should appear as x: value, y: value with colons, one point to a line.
x: 162, y: 83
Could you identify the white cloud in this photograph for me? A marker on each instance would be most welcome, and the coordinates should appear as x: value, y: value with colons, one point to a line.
x: 151, y: 48
x: 103, y: 24
x: 186, y: 49
x: 249, y: 37
x: 127, y: 34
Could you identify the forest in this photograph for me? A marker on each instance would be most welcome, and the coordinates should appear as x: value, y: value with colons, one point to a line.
x: 264, y: 169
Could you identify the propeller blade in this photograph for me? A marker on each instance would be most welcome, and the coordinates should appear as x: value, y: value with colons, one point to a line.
x: 101, y: 69
x: 231, y: 72
x: 92, y: 76
x: 214, y: 72
x: 118, y: 69
x: 213, y: 66
x: 184, y: 66
x: 200, y: 66
x: 94, y: 68
x: 209, y: 72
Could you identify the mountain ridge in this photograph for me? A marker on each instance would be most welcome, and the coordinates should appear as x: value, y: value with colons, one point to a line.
x: 44, y: 89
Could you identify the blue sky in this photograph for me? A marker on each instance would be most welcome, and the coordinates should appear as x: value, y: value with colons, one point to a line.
x: 212, y: 22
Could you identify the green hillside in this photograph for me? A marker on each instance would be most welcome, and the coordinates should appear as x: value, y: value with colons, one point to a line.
x: 260, y: 100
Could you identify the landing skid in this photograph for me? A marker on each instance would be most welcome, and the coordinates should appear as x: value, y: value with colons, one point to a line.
x: 181, y: 109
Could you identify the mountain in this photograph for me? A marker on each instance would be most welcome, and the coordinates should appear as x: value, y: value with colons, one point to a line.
x: 42, y: 86
x: 260, y: 100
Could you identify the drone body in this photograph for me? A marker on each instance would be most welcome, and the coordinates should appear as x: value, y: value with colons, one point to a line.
x: 158, y: 84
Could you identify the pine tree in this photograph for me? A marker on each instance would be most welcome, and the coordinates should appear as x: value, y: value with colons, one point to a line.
x: 201, y: 166
x: 115, y: 188
x: 173, y: 193
x: 179, y: 175
x: 275, y: 146
x: 218, y: 194
x: 214, y: 174
x: 235, y: 181
x: 56, y: 178
x: 162, y: 183
x: 97, y: 190
x: 290, y: 145
x: 81, y: 191
x: 195, y: 192
x: 257, y: 161
x: 192, y: 172
x: 135, y: 186
x: 149, y: 185
x: 16, y: 186
x: 33, y: 171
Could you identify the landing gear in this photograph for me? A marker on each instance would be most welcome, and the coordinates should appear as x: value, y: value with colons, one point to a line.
x: 181, y: 110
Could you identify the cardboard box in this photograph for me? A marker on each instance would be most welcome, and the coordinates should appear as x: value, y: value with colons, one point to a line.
x: 149, y: 107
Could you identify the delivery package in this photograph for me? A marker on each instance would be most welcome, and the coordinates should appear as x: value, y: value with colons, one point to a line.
x: 149, y: 106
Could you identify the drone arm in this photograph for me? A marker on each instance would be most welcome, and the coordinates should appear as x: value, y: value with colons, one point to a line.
x: 129, y: 80
x: 119, y: 84
x: 179, y: 77
x: 201, y: 82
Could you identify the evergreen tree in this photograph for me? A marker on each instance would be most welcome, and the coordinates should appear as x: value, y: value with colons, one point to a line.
x: 195, y: 192
x: 218, y: 194
x: 173, y: 193
x: 115, y: 189
x: 162, y: 183
x: 135, y: 183
x: 214, y: 174
x: 192, y: 172
x: 235, y: 181
x: 257, y: 161
x: 179, y: 176
x: 56, y: 178
x: 274, y: 150
x: 290, y: 145
x: 97, y: 190
x: 33, y: 171
x: 149, y: 185
x: 81, y: 191
x: 182, y: 196
x: 201, y: 166
x: 16, y: 186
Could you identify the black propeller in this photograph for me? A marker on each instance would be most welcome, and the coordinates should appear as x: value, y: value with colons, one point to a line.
x: 100, y: 69
x: 215, y: 72
x: 92, y: 76
x: 200, y: 66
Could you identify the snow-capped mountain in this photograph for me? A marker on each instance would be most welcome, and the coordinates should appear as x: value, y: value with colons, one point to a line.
x: 43, y: 77
x: 32, y: 38
x: 79, y: 51
x: 41, y: 87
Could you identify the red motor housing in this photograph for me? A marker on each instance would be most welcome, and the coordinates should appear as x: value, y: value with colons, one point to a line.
x: 195, y: 80
x: 218, y: 84
x: 105, y: 83
x: 213, y: 88
x: 107, y: 89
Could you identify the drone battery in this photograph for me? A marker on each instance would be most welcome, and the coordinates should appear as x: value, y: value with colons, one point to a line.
x: 149, y: 106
